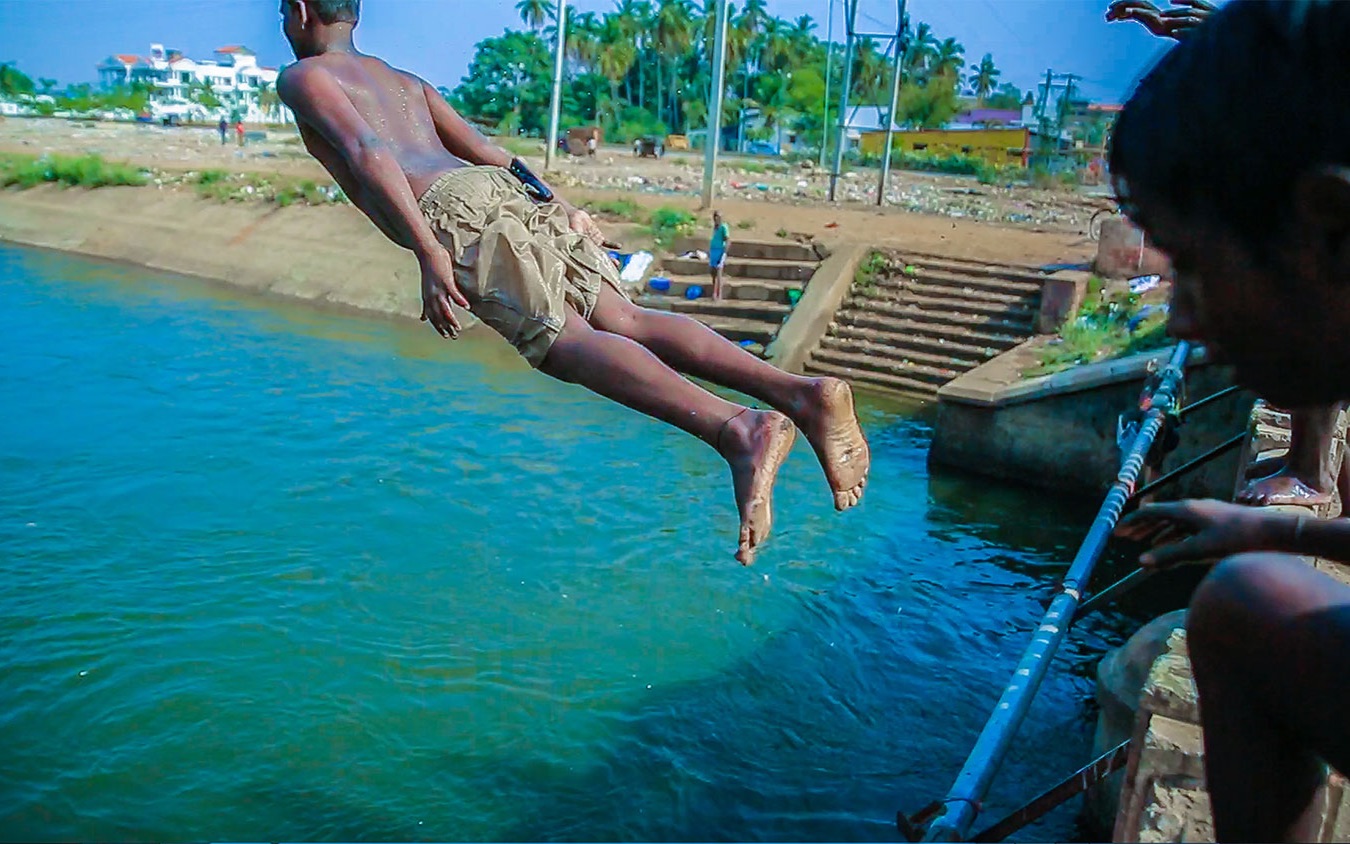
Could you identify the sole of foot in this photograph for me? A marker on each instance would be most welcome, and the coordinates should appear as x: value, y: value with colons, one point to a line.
x: 830, y: 424
x: 755, y: 445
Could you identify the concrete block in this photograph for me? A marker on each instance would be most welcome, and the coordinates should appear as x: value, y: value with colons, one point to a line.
x: 1062, y: 296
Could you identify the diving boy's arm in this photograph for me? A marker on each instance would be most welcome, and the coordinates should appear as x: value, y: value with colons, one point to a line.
x: 386, y: 197
x: 465, y: 142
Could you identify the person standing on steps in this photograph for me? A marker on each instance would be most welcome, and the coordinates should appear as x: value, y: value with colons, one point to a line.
x: 489, y: 235
x: 717, y: 254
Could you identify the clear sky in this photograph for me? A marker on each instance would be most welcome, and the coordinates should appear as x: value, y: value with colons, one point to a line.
x: 65, y: 39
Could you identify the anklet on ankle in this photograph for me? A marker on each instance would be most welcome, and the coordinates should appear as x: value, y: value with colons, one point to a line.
x: 722, y: 430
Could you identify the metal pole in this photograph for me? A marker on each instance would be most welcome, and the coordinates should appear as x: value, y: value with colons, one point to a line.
x: 962, y: 804
x: 851, y: 7
x: 829, y: 71
x: 719, y: 84
x: 895, y: 103
x: 556, y: 107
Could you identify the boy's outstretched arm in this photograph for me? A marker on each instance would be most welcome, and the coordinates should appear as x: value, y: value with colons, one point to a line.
x: 468, y: 144
x: 1201, y: 530
x: 321, y: 106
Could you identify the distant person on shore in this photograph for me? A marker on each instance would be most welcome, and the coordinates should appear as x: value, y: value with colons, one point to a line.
x: 490, y: 236
x: 224, y: 128
x: 1259, y: 235
x: 239, y: 131
x: 717, y: 253
x: 592, y: 144
x: 1303, y: 476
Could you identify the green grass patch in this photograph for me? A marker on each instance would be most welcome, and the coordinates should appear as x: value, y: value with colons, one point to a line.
x: 86, y: 171
x: 875, y: 266
x: 667, y: 223
x: 620, y: 209
x: 520, y: 146
x: 1109, y: 325
x: 745, y: 224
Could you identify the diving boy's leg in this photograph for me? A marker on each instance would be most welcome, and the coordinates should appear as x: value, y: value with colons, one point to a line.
x: 754, y: 443
x: 821, y: 407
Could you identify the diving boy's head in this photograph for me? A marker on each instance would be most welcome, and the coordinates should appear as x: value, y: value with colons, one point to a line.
x: 306, y: 22
x: 1234, y: 155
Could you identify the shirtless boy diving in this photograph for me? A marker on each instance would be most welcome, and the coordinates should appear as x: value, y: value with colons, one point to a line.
x: 490, y: 237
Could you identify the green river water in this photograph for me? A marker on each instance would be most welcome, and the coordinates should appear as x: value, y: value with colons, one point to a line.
x: 272, y: 573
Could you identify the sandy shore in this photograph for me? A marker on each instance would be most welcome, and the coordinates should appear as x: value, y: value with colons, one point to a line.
x: 325, y: 254
x: 332, y: 254
x: 961, y: 216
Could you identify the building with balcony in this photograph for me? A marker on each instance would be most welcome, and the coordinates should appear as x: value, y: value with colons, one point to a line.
x: 233, y: 75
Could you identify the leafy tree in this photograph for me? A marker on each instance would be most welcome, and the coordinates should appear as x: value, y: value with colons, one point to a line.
x: 1007, y: 96
x: 510, y: 75
x: 14, y: 82
x: 930, y: 105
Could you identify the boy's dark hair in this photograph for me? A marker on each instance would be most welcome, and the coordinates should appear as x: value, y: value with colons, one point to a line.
x: 336, y: 11
x: 1228, y: 120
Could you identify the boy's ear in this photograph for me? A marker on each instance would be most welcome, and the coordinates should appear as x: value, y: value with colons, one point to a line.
x: 1322, y: 205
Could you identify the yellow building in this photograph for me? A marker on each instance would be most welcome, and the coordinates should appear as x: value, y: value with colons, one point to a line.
x: 996, y: 146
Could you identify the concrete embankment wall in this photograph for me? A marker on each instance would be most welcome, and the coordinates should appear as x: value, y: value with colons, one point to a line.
x: 329, y: 254
x: 1058, y: 432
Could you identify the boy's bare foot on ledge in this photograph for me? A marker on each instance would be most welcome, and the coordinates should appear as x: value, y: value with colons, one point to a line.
x: 1283, y: 487
x: 831, y: 426
x: 755, y: 444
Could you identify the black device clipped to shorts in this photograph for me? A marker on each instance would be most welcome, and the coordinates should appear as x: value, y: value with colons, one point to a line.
x: 532, y: 183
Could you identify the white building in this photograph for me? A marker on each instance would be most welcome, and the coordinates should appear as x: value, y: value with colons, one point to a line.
x: 234, y: 76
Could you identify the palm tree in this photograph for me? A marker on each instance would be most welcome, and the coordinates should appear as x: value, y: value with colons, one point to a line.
x: 984, y: 78
x: 616, y: 57
x: 949, y: 58
x: 534, y: 12
x: 920, y: 51
x: 674, y: 32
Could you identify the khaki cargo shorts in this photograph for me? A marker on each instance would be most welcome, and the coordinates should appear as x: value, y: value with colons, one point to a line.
x: 516, y: 260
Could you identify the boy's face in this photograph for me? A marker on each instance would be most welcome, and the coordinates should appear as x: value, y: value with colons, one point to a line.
x: 1285, y: 330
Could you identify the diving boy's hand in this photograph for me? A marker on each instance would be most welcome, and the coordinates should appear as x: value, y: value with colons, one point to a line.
x: 583, y: 224
x: 438, y: 291
x: 1196, y: 531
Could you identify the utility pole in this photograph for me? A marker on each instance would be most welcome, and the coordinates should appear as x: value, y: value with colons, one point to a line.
x: 715, y: 104
x: 895, y: 103
x: 829, y: 68
x: 556, y: 107
x: 851, y: 11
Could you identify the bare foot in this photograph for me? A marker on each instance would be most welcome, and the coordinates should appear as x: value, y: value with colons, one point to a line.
x: 1283, y: 487
x: 755, y: 444
x: 831, y: 425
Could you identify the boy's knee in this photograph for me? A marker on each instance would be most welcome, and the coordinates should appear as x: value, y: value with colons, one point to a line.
x: 1240, y: 599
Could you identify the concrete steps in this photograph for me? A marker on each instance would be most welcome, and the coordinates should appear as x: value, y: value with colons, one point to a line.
x: 883, y: 382
x: 932, y: 319
x: 760, y: 283
x: 771, y: 290
x: 744, y: 268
